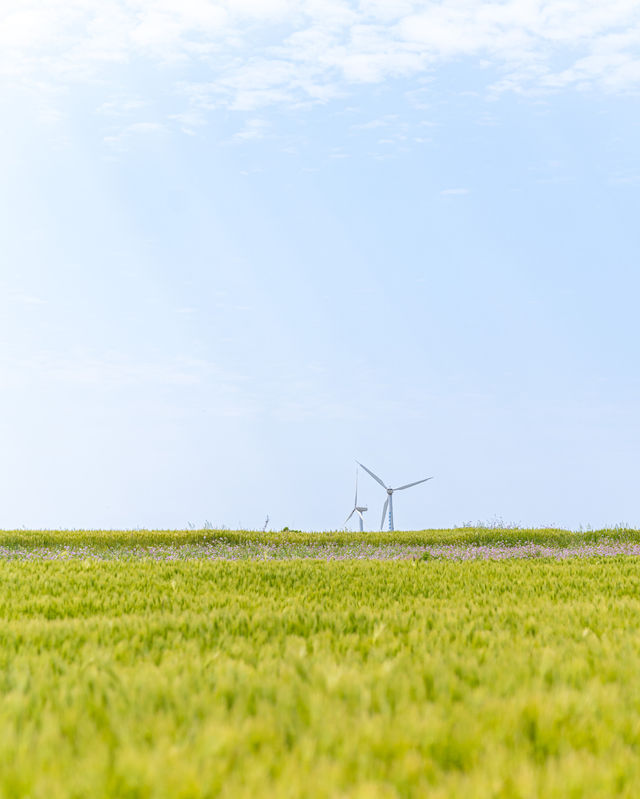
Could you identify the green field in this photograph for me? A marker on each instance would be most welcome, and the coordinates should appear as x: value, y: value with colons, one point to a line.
x: 197, y: 678
x: 459, y: 535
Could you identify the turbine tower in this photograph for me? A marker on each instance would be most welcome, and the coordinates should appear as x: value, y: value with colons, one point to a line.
x: 389, y: 499
x: 359, y: 509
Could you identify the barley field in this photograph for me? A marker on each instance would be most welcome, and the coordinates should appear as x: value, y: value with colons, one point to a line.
x: 218, y: 664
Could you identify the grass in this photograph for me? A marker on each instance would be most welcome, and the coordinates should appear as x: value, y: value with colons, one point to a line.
x: 460, y: 535
x: 315, y: 679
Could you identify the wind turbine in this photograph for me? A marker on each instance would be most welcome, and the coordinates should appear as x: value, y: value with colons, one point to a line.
x: 359, y: 509
x: 389, y: 499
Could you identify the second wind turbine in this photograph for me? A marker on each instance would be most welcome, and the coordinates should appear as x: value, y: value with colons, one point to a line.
x: 389, y: 501
x: 359, y: 509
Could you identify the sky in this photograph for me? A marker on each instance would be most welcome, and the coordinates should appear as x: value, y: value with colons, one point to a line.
x: 243, y: 244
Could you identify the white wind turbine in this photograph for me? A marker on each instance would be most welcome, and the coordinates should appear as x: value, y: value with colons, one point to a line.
x: 359, y: 509
x: 389, y: 499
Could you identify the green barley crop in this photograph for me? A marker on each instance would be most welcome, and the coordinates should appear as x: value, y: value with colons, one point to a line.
x: 461, y: 535
x: 315, y: 679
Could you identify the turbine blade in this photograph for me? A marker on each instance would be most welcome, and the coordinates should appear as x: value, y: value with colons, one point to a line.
x: 360, y: 514
x: 350, y: 515
x: 408, y: 485
x: 375, y: 476
x: 384, y: 512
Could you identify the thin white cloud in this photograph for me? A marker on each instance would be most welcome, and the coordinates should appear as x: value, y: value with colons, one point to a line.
x: 123, y: 139
x: 107, y: 370
x: 26, y: 299
x: 253, y: 130
x: 250, y: 54
x: 454, y: 192
x: 214, y: 389
x: 381, y: 122
x: 631, y: 179
x: 120, y: 107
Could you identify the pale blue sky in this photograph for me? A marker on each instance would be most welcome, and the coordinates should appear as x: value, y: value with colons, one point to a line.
x: 244, y: 244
